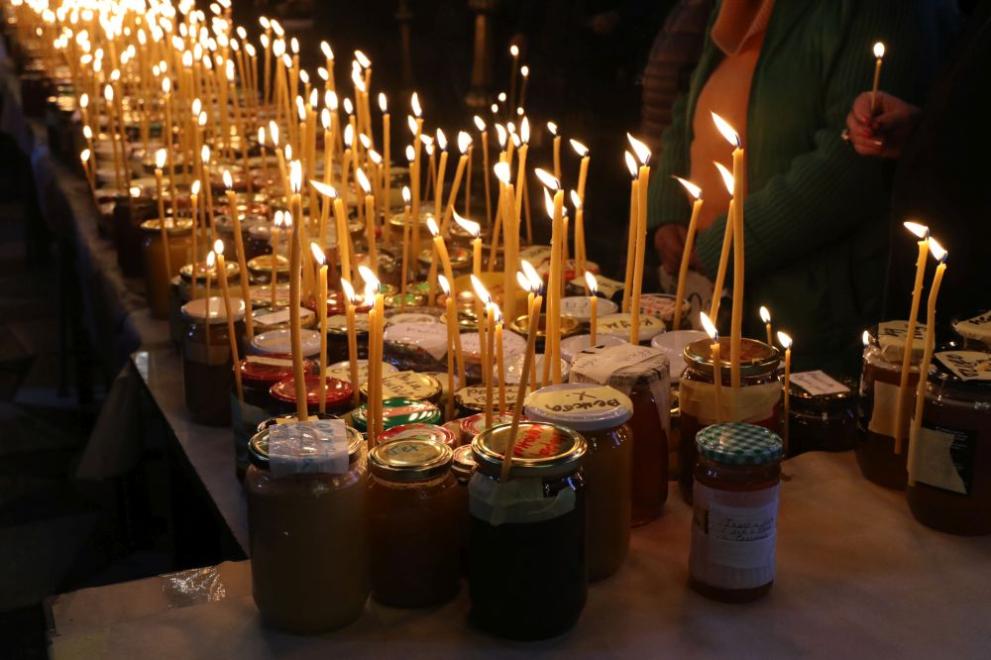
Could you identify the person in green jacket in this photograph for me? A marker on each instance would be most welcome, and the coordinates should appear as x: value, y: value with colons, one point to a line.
x: 784, y: 73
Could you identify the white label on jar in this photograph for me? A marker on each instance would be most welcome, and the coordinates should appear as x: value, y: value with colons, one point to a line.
x: 733, y: 537
x: 603, y: 363
x: 609, y: 287
x: 943, y: 459
x: 891, y: 336
x: 281, y: 316
x: 268, y: 361
x: 885, y: 401
x: 315, y: 447
x: 818, y: 383
x: 967, y: 365
x: 515, y: 500
x: 430, y: 337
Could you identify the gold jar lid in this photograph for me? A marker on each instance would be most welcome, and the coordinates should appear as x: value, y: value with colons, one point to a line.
x: 202, y: 272
x: 460, y: 257
x: 568, y: 325
x: 407, y: 385
x: 410, y: 460
x: 756, y: 357
x: 540, y: 450
x: 262, y: 264
x: 176, y: 227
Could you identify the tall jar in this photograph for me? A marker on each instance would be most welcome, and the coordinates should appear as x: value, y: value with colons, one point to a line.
x: 207, y: 364
x: 157, y: 281
x: 759, y: 402
x: 527, y: 569
x: 734, y: 522
x: 307, y: 531
x: 415, y: 518
x: 601, y: 414
x: 643, y: 374
x: 880, y: 377
x: 949, y: 485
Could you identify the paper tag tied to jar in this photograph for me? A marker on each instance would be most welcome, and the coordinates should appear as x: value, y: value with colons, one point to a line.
x: 598, y: 365
x: 516, y: 500
x: 967, y: 365
x: 978, y: 328
x: 891, y: 337
x: 818, y: 383
x: 313, y: 447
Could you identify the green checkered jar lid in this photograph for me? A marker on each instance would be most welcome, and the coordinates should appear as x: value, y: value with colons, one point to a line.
x: 739, y: 444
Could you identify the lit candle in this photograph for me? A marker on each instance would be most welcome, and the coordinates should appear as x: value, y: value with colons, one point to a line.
x: 295, y: 329
x: 194, y: 193
x: 579, y: 230
x: 386, y: 155
x: 349, y: 313
x: 321, y: 301
x: 552, y: 340
x: 160, y: 157
x: 484, y: 136
x: 785, y: 342
x: 631, y: 236
x: 878, y: 57
x: 717, y: 289
x: 441, y: 171
x: 482, y: 302
x: 464, y: 147
x: 922, y: 233
x: 218, y: 249
x: 404, y: 275
x: 582, y: 151
x: 940, y: 255
x: 686, y: 254
x: 474, y: 230
x: 366, y: 186
x: 86, y: 157
x: 376, y: 320
x: 239, y: 248
x: 211, y: 263
x: 416, y: 125
x: 500, y: 358
x: 765, y: 317
x: 593, y: 300
x: 717, y: 373
x: 452, y: 330
x: 643, y: 155
x: 440, y: 250
x: 514, y: 52
x: 341, y: 224
x: 552, y: 129
x: 502, y: 173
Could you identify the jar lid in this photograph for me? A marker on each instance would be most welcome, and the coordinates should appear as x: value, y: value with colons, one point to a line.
x: 572, y: 346
x: 419, y: 431
x: 662, y: 304
x: 458, y: 256
x: 213, y: 313
x: 512, y: 344
x: 292, y: 418
x: 412, y: 315
x: 673, y: 344
x: 407, y: 385
x: 202, y: 271
x: 472, y: 425
x: 514, y: 367
x: 620, y: 324
x: 410, y: 460
x: 338, y: 324
x: 396, y: 412
x: 258, y: 445
x: 890, y: 338
x: 580, y: 307
x: 463, y: 463
x: 337, y: 393
x: 624, y: 366
x: 406, y: 300
x: 739, y: 444
x: 976, y: 328
x: 756, y: 357
x: 342, y: 370
x: 269, y: 369
x: 175, y: 227
x: 580, y: 407
x: 269, y: 317
x: 263, y: 264
x: 429, y: 337
x: 963, y: 369
x: 539, y: 450
x: 473, y: 397
x: 279, y: 341
x: 568, y: 325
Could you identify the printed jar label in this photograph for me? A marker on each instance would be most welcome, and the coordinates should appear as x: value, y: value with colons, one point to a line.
x: 733, y: 537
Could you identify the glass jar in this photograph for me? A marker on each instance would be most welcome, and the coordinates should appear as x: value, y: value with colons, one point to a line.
x: 601, y: 414
x: 760, y: 395
x: 267, y: 318
x: 416, y: 346
x: 207, y: 364
x: 260, y: 268
x: 950, y: 463
x: 621, y: 323
x: 153, y: 256
x: 527, y: 569
x: 337, y: 395
x: 880, y: 378
x: 734, y: 521
x: 418, y: 431
x: 182, y: 292
x: 415, y: 516
x: 974, y: 331
x: 568, y: 327
x: 512, y: 344
x: 823, y: 414
x: 337, y: 336
x: 463, y: 467
x: 408, y: 385
x: 641, y: 373
x: 308, y: 537
x: 575, y: 344
x: 280, y: 341
x: 396, y: 412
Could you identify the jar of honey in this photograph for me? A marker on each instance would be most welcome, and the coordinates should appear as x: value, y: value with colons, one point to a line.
x: 306, y: 491
x: 601, y: 414
x: 734, y: 522
x: 157, y: 281
x: 207, y: 364
x: 950, y: 459
x: 415, y: 519
x: 527, y: 569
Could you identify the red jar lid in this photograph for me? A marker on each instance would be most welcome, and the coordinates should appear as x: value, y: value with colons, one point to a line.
x: 268, y: 369
x: 418, y: 431
x: 338, y: 391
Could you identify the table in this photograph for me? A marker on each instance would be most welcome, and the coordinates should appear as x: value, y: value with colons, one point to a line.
x: 857, y: 577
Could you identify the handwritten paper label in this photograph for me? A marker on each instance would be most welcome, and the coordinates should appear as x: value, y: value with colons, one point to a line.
x: 580, y: 307
x: 736, y: 535
x: 978, y: 328
x: 536, y: 254
x: 430, y: 337
x: 265, y: 361
x: 944, y: 459
x: 340, y: 321
x: 967, y: 365
x: 609, y: 287
x: 885, y: 401
x: 620, y: 324
x: 342, y: 370
x: 409, y: 385
x: 599, y: 364
x: 473, y: 397
x: 576, y: 401
x: 818, y: 383
x: 891, y: 337
x: 314, y: 447
x: 512, y: 344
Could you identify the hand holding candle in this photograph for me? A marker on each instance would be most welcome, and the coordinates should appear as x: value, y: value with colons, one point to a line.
x: 878, y: 57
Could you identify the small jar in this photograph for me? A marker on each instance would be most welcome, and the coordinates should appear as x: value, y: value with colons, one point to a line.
x: 260, y: 268
x: 342, y: 370
x: 662, y: 305
x: 308, y: 543
x: 463, y: 467
x: 600, y: 413
x: 419, y: 431
x: 568, y: 326
x: 950, y: 460
x: 641, y: 373
x: 153, y: 255
x: 580, y: 308
x: 621, y: 323
x: 512, y: 344
x: 396, y: 412
x: 735, y: 510
x: 337, y: 336
x: 207, y: 365
x: 415, y: 516
x: 527, y: 569
x: 575, y: 344
x: 416, y: 346
x: 758, y: 374
x: 823, y: 414
x: 514, y: 369
x: 267, y: 318
x: 408, y: 385
x: 974, y: 331
x: 337, y: 395
x: 880, y: 378
x: 280, y: 342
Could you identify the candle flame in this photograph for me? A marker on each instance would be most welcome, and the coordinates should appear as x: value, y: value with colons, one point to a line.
x: 525, y: 130
x: 502, y: 172
x: 441, y: 140
x: 579, y: 148
x: 383, y: 103
x: 593, y: 284
x: 374, y: 157
x: 937, y: 250
x: 166, y: 86
x: 362, y: 180
x: 411, y: 124
x: 194, y: 189
x: 920, y: 230
x: 479, y: 123
x: 205, y: 154
x: 218, y: 247
x: 785, y: 340
x: 273, y: 131
x: 690, y: 187
x: 369, y: 278
x: 765, y: 314
x: 552, y: 128
x: 87, y: 132
x: 348, y: 136
x: 525, y: 71
x: 641, y: 150
x: 709, y: 326
x: 325, y: 122
x: 432, y: 226
x: 501, y: 135
x: 366, y: 142
x: 879, y: 50
x: 866, y: 338
x: 576, y: 199
x: 464, y: 141
x: 228, y: 180
x: 330, y: 100
x: 514, y: 50
x: 444, y: 286
x: 522, y: 280
x: 414, y: 104
x: 728, y: 179
x: 327, y: 52
x: 362, y: 59
x: 471, y: 227
x: 410, y: 153
x: 348, y: 291
x: 532, y: 275
x: 480, y: 291
x: 501, y: 97
x: 296, y: 176
x: 324, y: 189
x: 161, y: 157
x: 726, y: 130
x: 631, y: 163
x: 348, y: 106
x: 84, y: 155
x: 547, y: 179
x: 406, y: 195
x: 211, y: 259
x: 318, y: 254
x: 108, y: 94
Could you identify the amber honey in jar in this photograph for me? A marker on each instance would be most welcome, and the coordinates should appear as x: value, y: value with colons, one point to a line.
x: 601, y: 414
x: 416, y: 510
x: 950, y: 458
x: 527, y: 569
x: 759, y: 401
x: 735, y: 509
x: 643, y: 374
x: 157, y: 281
x: 207, y: 364
x: 306, y: 491
x: 880, y: 378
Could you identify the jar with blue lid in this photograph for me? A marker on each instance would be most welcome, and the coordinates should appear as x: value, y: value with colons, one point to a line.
x: 735, y: 501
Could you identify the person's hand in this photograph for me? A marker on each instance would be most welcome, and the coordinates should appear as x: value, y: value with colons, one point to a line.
x: 884, y: 133
x: 669, y: 241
